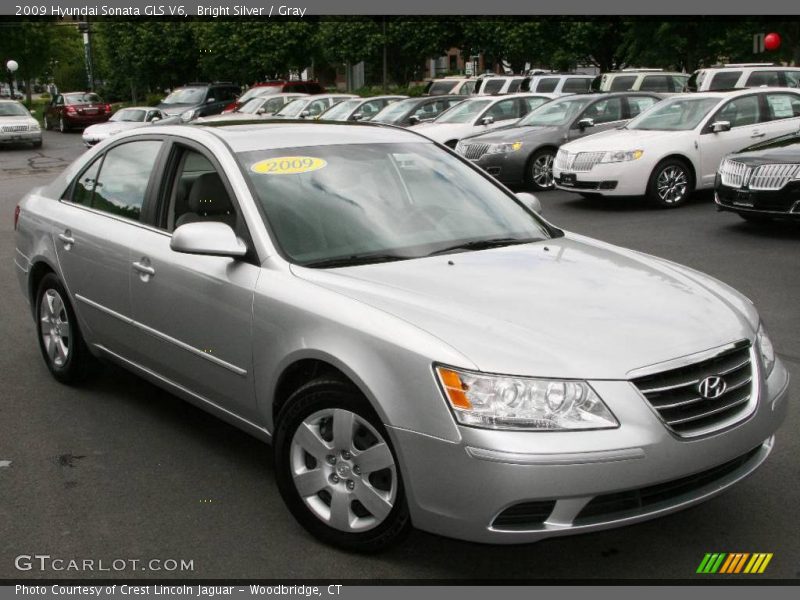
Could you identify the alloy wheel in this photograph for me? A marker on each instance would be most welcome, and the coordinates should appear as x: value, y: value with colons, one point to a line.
x: 542, y: 170
x: 55, y: 328
x: 343, y: 470
x: 672, y: 184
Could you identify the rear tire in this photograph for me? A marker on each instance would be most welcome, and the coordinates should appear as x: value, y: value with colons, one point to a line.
x: 62, y: 125
x: 60, y: 340
x: 539, y: 170
x: 671, y: 183
x: 336, y: 469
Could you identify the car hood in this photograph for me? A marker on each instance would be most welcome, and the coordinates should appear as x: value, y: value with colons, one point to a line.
x: 444, y: 132
x: 788, y: 155
x: 568, y: 307
x: 622, y: 139
x: 111, y: 128
x: 509, y: 134
x: 177, y: 108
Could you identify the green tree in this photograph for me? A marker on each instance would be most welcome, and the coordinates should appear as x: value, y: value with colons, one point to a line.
x: 30, y: 44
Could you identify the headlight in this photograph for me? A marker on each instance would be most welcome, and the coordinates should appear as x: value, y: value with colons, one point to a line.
x: 504, y: 147
x: 501, y: 402
x: 765, y: 350
x: 622, y: 156
x: 34, y: 127
x: 188, y: 115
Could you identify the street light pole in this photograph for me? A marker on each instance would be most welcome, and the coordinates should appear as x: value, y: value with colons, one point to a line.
x: 12, y: 67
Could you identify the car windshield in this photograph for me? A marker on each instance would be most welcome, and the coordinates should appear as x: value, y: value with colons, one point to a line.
x: 441, y: 87
x: 464, y: 112
x: 81, y: 98
x: 186, y: 96
x: 129, y: 115
x: 340, y: 111
x: 557, y: 112
x: 12, y: 109
x: 336, y: 205
x: 262, y: 90
x: 675, y: 114
x: 394, y: 112
x: 294, y: 108
x: 250, y: 106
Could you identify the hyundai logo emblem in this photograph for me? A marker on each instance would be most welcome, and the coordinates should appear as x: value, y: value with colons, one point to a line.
x: 712, y: 387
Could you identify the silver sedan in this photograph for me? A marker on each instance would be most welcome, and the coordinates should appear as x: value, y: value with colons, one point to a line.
x: 418, y: 344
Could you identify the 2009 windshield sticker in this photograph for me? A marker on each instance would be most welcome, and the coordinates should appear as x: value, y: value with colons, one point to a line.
x: 288, y: 165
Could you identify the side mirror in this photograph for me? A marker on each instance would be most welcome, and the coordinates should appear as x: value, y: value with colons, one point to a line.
x: 155, y: 119
x: 33, y: 111
x: 261, y: 111
x: 487, y: 120
x: 530, y: 201
x: 210, y: 238
x: 358, y: 116
x: 413, y: 119
x: 719, y: 126
x: 305, y: 114
x: 211, y: 100
x: 585, y: 124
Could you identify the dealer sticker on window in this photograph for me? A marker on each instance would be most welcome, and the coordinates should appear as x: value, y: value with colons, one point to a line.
x: 288, y: 165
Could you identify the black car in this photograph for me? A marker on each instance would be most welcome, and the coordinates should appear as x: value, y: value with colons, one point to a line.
x: 411, y: 111
x: 199, y: 100
x: 762, y: 182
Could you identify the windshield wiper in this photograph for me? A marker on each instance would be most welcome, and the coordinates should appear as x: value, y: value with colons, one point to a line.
x: 483, y: 244
x: 355, y: 259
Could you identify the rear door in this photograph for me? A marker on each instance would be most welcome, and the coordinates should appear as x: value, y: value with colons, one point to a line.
x: 781, y: 114
x: 100, y: 219
x: 195, y: 312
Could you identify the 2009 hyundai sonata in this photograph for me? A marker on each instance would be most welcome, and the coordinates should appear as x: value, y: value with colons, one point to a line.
x: 419, y: 345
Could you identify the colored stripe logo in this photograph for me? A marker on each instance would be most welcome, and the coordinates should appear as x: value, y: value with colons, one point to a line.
x: 733, y: 563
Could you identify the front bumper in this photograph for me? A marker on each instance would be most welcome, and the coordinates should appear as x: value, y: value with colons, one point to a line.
x: 548, y: 479
x: 507, y: 167
x: 783, y: 203
x: 21, y: 137
x: 607, y: 179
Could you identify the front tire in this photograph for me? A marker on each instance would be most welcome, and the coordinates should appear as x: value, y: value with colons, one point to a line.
x: 539, y: 170
x: 60, y: 340
x: 670, y: 184
x: 336, y: 469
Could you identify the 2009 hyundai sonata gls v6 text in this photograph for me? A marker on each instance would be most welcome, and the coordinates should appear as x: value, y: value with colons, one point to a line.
x: 417, y: 343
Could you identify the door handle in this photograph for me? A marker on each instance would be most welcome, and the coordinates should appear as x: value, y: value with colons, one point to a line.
x: 145, y: 269
x: 758, y: 135
x: 67, y: 238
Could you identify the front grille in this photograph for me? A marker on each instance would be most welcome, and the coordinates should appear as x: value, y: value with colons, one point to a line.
x: 732, y: 173
x: 607, y: 506
x: 524, y: 515
x: 580, y: 161
x: 472, y: 151
x: 675, y: 393
x: 14, y: 128
x: 772, y: 177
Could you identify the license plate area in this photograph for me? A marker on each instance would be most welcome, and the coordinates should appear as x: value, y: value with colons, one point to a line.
x: 742, y: 198
x: 569, y: 179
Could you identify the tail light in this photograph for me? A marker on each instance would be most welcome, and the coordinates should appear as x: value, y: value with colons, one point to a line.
x: 108, y: 108
x: 71, y: 110
x: 16, y: 216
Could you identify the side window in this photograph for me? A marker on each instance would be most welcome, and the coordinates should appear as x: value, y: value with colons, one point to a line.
x: 740, y: 112
x: 528, y: 104
x: 468, y: 88
x: 604, y: 111
x: 622, y: 83
x: 503, y: 110
x: 514, y: 85
x: 576, y: 84
x: 782, y: 106
x: 724, y: 80
x: 272, y: 105
x: 546, y: 84
x: 369, y: 109
x: 655, y: 83
x: 639, y: 104
x: 198, y: 193
x: 84, y: 187
x: 59, y: 100
x: 123, y: 179
x: 759, y: 78
x: 679, y: 82
x: 492, y: 85
x: 792, y: 78
x: 317, y: 107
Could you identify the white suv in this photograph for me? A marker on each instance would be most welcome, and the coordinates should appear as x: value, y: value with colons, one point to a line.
x: 641, y: 80
x: 676, y: 146
x: 746, y: 75
x: 495, y: 85
x: 557, y: 83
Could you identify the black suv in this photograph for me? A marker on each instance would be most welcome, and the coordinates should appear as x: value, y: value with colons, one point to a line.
x: 199, y: 100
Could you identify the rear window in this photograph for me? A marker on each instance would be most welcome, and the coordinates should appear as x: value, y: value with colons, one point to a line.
x: 724, y: 80
x: 623, y: 83
x: 546, y: 84
x: 514, y: 85
x: 492, y: 86
x: 656, y: 83
x: 576, y: 84
x: 81, y: 98
x: 759, y: 78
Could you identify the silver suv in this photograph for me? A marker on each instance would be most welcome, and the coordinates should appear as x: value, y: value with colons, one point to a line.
x: 419, y: 346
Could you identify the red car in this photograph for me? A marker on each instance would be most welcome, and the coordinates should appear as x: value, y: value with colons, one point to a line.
x: 75, y: 110
x: 279, y: 86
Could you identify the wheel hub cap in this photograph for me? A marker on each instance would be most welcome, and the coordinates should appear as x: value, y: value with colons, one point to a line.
x: 55, y: 328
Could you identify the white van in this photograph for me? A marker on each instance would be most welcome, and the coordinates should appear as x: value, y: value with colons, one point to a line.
x: 743, y: 75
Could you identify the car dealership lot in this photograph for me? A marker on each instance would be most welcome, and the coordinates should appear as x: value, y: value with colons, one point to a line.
x: 120, y: 469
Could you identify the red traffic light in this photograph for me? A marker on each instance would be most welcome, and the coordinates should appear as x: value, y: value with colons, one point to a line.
x: 772, y: 41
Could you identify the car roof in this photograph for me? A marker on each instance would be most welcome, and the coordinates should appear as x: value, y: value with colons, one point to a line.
x: 244, y: 136
x: 735, y: 92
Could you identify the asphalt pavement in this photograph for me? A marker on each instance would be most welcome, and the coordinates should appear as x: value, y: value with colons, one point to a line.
x: 118, y: 469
